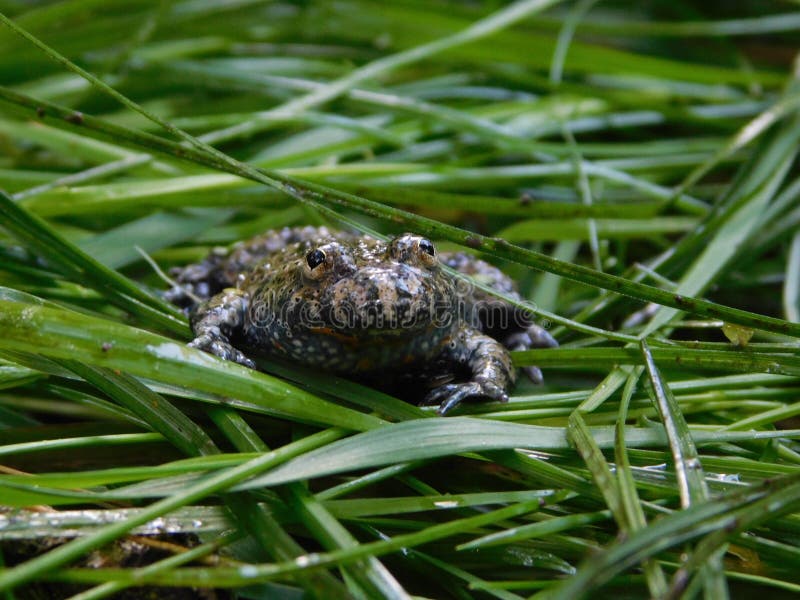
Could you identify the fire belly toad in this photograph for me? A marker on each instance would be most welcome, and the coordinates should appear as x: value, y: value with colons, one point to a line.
x: 385, y: 313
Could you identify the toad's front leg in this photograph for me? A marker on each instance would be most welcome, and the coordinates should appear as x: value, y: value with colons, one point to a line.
x: 216, y: 321
x: 487, y: 361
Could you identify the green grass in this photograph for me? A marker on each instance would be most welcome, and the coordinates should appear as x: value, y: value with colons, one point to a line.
x: 632, y: 165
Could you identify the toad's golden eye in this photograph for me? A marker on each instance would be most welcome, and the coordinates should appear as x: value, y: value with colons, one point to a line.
x: 426, y: 253
x: 315, y: 258
x: 413, y: 250
x: 427, y: 247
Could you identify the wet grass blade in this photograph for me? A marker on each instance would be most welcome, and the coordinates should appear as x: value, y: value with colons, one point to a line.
x: 668, y: 143
x: 314, y: 193
x: 43, y: 239
x: 145, y: 354
x: 688, y: 468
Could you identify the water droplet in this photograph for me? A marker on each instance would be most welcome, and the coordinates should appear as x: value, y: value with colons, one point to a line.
x: 724, y: 477
x: 658, y: 467
x: 693, y: 463
x: 307, y: 560
x: 248, y: 571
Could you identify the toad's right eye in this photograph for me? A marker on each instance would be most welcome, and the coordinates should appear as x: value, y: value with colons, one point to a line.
x: 315, y: 258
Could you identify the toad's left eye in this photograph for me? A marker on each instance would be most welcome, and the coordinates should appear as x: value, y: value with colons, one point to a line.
x: 425, y: 252
x: 413, y: 250
x: 315, y: 258
x: 427, y: 247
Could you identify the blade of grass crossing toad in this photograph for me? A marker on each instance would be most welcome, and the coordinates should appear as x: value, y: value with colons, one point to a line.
x: 688, y: 469
x: 371, y: 576
x: 315, y: 195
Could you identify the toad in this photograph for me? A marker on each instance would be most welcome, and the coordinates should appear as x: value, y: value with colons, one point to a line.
x: 385, y: 313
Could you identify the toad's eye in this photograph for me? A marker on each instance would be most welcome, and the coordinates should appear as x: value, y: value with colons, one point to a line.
x: 426, y: 253
x: 427, y: 247
x: 315, y: 258
x: 413, y: 250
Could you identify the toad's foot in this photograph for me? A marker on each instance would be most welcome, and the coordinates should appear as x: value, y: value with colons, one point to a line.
x: 532, y: 337
x: 486, y: 360
x: 216, y: 344
x: 451, y: 395
x: 214, y: 323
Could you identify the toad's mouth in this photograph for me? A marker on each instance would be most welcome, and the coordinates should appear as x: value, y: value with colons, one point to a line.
x: 374, y: 333
x: 377, y: 319
x: 377, y: 336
